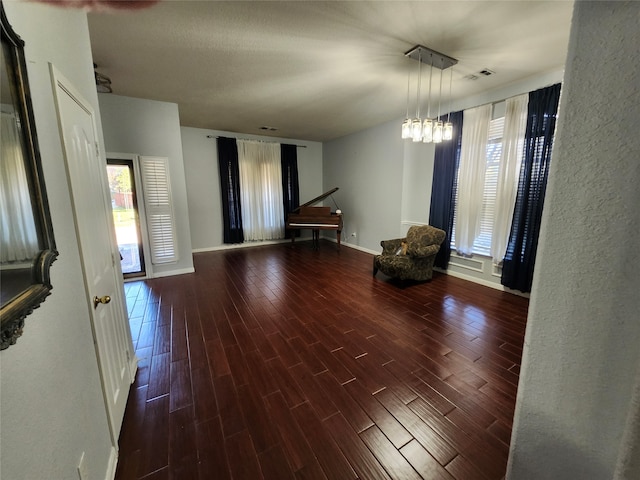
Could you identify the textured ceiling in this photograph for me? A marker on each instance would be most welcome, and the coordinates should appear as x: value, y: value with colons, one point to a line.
x: 317, y: 70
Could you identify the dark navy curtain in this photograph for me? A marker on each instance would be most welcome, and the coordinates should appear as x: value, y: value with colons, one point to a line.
x: 230, y: 190
x: 443, y: 191
x: 290, y: 185
x: 517, y: 269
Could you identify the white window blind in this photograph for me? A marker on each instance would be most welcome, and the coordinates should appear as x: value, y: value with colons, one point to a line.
x: 482, y: 244
x: 159, y: 209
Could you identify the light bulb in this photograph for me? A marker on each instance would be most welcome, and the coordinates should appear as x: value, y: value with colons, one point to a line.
x: 437, y: 132
x: 427, y: 131
x: 416, y: 130
x: 447, y: 133
x: 406, y: 128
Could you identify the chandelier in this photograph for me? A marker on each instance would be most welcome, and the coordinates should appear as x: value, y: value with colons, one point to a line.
x: 429, y: 130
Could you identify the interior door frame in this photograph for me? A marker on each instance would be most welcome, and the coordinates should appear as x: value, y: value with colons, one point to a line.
x: 142, y: 215
x: 58, y: 80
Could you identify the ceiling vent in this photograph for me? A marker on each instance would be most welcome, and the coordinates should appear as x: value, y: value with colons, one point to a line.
x: 471, y: 77
x: 269, y: 129
x: 486, y: 72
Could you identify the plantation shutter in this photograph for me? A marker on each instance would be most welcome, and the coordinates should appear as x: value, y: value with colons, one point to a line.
x: 159, y: 209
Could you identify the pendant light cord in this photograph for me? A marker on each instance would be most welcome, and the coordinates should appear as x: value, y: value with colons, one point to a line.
x: 419, y: 78
x: 450, y: 103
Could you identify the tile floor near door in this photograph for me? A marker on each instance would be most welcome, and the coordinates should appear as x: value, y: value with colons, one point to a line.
x: 280, y: 363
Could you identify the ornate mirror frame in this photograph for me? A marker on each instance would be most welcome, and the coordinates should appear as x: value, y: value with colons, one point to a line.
x: 24, y: 282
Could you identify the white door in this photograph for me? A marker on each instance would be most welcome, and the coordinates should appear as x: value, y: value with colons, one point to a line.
x: 86, y: 171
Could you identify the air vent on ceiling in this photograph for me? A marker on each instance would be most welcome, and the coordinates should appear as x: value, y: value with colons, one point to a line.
x: 486, y: 72
x: 471, y: 77
x: 269, y: 129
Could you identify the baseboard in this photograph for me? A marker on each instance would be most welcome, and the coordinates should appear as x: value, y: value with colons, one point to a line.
x: 171, y: 273
x: 481, y: 281
x: 133, y: 368
x: 245, y: 245
x: 350, y: 245
x: 112, y: 465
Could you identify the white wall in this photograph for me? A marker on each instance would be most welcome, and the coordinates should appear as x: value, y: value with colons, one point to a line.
x: 152, y: 128
x: 51, y: 399
x: 368, y: 168
x: 582, y: 341
x: 203, y: 181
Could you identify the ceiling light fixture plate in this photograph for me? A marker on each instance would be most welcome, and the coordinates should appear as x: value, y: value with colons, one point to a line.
x: 431, y: 57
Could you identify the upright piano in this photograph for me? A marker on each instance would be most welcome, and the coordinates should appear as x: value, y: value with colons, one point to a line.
x: 315, y: 218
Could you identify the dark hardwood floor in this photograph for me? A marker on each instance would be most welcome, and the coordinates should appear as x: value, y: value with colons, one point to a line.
x: 278, y: 363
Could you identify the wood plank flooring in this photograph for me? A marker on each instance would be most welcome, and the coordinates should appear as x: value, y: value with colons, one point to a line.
x: 288, y: 363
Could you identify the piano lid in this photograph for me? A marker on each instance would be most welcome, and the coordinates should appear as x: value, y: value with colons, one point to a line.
x: 317, y: 199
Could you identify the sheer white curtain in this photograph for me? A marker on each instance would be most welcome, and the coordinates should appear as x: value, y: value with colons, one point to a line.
x: 471, y: 173
x: 515, y: 124
x: 261, y: 190
x: 18, y: 234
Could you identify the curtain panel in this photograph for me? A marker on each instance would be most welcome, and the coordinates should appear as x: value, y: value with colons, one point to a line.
x: 290, y: 184
x: 19, y: 235
x: 261, y: 190
x: 515, y: 122
x: 443, y: 192
x: 471, y: 176
x: 519, y: 261
x: 230, y: 190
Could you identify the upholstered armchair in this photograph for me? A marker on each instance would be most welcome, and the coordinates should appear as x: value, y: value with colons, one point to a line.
x: 410, y: 258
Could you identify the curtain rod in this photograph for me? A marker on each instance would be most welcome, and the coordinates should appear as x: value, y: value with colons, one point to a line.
x: 299, y: 146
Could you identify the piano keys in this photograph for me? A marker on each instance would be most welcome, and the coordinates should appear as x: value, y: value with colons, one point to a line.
x: 316, y: 219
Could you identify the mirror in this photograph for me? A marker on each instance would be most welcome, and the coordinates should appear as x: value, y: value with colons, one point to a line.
x: 27, y: 247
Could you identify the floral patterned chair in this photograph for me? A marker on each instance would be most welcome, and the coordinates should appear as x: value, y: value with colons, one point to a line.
x: 412, y: 257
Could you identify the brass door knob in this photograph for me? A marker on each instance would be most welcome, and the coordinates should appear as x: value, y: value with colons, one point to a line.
x: 101, y: 300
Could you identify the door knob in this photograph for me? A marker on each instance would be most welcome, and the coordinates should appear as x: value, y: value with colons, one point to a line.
x: 103, y: 300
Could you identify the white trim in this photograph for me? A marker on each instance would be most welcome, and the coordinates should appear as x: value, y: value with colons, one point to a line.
x: 133, y: 367
x: 240, y: 245
x: 481, y: 281
x: 112, y: 465
x: 412, y: 223
x: 355, y: 247
x: 171, y: 273
x: 460, y: 263
x: 142, y: 213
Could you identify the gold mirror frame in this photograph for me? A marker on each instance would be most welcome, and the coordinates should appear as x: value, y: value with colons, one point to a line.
x: 24, y: 286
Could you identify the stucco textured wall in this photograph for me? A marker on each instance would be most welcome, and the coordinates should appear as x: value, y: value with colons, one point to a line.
x: 581, y: 346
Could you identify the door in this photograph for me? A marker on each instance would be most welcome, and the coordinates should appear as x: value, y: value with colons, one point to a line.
x: 94, y: 228
x: 126, y: 217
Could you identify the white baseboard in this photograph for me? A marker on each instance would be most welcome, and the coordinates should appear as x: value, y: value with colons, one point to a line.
x: 241, y: 245
x: 355, y: 247
x: 133, y: 368
x: 481, y: 281
x: 112, y: 465
x: 170, y: 273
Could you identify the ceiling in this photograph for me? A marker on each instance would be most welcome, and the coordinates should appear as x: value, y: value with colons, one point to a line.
x: 318, y: 70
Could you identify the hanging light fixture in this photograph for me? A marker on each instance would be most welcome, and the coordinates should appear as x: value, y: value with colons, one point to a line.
x: 416, y: 125
x: 447, y: 133
x: 437, y: 126
x: 406, y: 125
x: 430, y: 130
x: 427, y: 126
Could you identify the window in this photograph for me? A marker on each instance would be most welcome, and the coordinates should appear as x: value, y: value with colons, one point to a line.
x: 159, y: 210
x: 482, y: 243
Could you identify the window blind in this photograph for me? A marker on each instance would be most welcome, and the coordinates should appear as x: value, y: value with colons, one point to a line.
x: 482, y: 244
x: 159, y: 209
